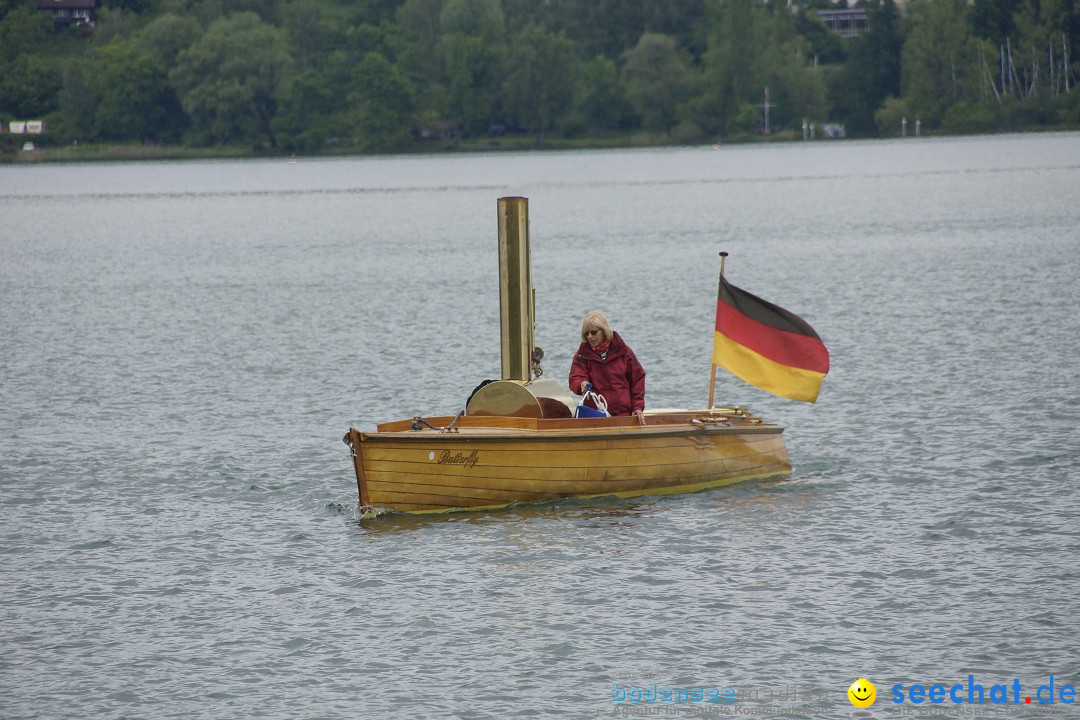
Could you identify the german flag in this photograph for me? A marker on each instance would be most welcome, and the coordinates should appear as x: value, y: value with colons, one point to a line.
x: 767, y: 346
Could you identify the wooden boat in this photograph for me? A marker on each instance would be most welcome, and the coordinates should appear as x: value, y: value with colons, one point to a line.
x: 517, y: 439
x: 487, y: 461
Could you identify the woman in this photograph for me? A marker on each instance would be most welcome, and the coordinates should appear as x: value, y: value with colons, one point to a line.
x: 611, y: 366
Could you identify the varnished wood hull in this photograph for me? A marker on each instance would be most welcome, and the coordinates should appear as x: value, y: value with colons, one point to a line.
x: 493, y: 461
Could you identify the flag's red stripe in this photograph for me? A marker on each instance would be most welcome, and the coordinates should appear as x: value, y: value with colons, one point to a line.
x: 787, y: 348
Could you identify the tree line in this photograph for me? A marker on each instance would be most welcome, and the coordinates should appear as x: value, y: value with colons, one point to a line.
x: 391, y: 75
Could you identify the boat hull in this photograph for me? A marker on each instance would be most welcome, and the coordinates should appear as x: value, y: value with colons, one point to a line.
x: 491, y: 462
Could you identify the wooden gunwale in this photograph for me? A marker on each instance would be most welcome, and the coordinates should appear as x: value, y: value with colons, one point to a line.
x: 663, y: 418
x: 515, y: 435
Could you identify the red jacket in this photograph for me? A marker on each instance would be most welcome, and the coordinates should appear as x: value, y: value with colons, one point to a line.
x: 619, y: 378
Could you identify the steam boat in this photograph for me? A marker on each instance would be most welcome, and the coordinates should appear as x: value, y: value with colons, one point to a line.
x: 518, y: 439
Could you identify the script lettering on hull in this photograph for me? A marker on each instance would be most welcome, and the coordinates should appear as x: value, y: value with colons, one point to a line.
x: 469, y: 461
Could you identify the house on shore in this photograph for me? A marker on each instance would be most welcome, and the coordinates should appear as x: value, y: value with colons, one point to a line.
x: 70, y: 12
x: 848, y: 23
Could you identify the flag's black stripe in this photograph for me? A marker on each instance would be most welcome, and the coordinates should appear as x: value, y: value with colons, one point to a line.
x: 763, y: 311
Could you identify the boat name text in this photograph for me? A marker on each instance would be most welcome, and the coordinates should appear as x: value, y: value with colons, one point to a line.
x: 459, y: 458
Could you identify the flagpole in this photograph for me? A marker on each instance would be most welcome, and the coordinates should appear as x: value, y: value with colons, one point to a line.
x: 712, y: 372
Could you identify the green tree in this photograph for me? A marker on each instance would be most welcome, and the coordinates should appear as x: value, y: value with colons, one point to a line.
x: 207, y: 11
x: 418, y: 52
x: 993, y: 19
x: 796, y: 87
x: 374, y: 12
x: 230, y: 80
x: 872, y: 71
x: 520, y: 14
x: 938, y: 67
x: 471, y: 52
x: 23, y: 30
x: 474, y: 75
x: 753, y: 48
x: 539, y: 86
x: 1043, y: 27
x: 384, y: 104
x: 311, y: 112
x: 748, y: 118
x: 7, y: 6
x: 825, y: 45
x: 114, y: 23
x: 968, y: 117
x: 133, y: 98
x: 478, y: 18
x: 602, y: 102
x: 891, y: 115
x: 166, y: 36
x: 420, y: 30
x: 658, y: 81
x: 314, y: 31
x: 77, y: 107
x: 137, y: 6
x: 611, y: 27
x: 730, y: 68
x: 29, y: 87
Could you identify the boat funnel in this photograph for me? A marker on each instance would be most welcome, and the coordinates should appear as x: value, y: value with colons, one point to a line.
x: 516, y: 298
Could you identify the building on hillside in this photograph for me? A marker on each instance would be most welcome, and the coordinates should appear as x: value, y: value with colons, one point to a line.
x: 70, y: 12
x: 849, y: 23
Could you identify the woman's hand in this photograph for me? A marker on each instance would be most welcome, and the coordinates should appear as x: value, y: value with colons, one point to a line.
x: 584, y: 387
x: 640, y: 415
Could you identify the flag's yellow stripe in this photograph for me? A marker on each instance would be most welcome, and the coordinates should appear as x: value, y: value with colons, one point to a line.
x: 758, y: 370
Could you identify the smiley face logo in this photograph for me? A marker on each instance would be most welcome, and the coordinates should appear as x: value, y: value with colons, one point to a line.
x: 862, y: 693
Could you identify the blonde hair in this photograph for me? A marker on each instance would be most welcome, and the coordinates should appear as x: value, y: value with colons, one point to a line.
x: 595, y: 319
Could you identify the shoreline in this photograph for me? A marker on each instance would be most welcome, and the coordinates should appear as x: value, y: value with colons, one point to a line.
x: 134, y: 152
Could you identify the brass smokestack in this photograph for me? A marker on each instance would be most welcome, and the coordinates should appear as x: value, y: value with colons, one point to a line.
x: 515, y: 289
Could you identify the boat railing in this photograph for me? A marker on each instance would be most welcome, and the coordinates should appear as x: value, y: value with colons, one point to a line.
x: 722, y: 417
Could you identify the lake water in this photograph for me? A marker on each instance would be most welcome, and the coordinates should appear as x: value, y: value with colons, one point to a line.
x: 183, y: 345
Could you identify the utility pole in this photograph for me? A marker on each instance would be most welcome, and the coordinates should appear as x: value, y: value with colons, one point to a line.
x: 766, y: 107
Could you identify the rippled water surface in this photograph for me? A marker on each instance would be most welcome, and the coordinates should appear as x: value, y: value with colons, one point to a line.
x: 183, y: 345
